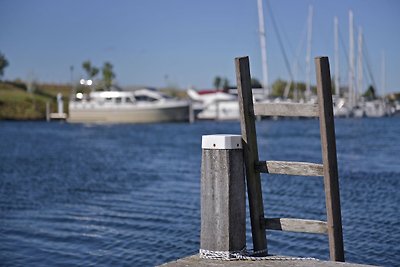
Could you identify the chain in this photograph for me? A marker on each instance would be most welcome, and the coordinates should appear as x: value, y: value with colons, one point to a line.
x: 244, y: 254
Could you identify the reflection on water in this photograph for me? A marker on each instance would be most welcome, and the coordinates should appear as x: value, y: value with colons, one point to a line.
x: 129, y: 194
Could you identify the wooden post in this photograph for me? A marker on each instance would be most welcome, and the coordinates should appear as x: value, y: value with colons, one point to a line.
x: 223, y: 198
x: 47, y: 111
x: 328, y: 146
x: 249, y: 139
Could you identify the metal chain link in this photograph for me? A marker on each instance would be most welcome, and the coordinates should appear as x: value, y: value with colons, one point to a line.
x: 244, y: 254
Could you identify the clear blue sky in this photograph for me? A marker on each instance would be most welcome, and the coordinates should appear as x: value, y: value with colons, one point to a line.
x: 183, y: 42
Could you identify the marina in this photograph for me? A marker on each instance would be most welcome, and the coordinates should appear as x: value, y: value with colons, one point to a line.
x: 131, y: 136
x: 349, y: 100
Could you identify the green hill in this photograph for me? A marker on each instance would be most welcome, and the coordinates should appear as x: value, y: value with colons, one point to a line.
x: 17, y: 104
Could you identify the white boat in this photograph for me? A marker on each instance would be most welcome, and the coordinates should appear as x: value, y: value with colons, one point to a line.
x: 220, y: 110
x: 396, y: 108
x: 358, y: 111
x: 340, y: 108
x: 218, y: 104
x: 140, y: 106
x: 376, y: 108
x: 214, y: 105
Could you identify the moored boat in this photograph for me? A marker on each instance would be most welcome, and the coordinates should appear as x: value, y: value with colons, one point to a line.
x: 218, y: 104
x: 376, y: 108
x: 140, y: 106
x: 214, y: 105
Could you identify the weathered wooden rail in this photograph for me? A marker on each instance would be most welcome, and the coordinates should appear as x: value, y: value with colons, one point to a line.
x: 324, y: 111
x: 286, y: 109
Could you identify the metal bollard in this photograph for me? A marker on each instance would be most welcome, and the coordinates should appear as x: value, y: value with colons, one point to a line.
x: 223, y: 203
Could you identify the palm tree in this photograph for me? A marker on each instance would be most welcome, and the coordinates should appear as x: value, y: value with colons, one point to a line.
x: 217, y: 82
x: 91, y: 71
x: 108, y: 74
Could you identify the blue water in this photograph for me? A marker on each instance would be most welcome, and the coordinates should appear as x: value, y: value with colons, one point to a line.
x: 115, y: 195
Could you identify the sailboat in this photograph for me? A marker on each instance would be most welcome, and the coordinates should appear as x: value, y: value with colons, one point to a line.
x: 214, y: 104
x: 340, y: 105
x: 378, y: 107
x: 223, y: 105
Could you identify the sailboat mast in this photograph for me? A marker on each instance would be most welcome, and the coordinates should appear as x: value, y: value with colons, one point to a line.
x: 383, y: 70
x: 263, y: 47
x: 359, y: 64
x: 336, y: 32
x: 351, y: 60
x: 308, y: 56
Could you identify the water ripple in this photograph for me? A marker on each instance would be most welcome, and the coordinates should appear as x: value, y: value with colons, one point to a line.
x: 105, y: 195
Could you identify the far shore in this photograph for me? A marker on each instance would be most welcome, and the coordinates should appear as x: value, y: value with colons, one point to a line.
x: 21, y: 101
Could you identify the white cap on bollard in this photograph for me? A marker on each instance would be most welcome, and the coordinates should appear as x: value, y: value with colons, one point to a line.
x: 221, y: 141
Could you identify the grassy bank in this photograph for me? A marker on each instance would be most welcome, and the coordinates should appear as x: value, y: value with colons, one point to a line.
x: 17, y: 104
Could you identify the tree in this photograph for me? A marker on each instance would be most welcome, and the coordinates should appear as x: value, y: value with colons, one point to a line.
x: 370, y: 93
x: 217, y: 82
x: 91, y: 71
x: 3, y: 64
x: 225, y: 84
x: 255, y: 83
x: 94, y: 72
x: 108, y: 74
x: 278, y: 88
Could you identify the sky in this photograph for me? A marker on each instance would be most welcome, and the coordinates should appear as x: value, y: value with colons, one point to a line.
x: 186, y: 43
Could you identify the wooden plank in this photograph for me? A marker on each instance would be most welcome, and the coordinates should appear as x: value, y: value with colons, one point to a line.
x: 286, y: 109
x: 271, y: 261
x: 328, y: 146
x: 290, y: 168
x: 296, y: 225
x: 249, y: 138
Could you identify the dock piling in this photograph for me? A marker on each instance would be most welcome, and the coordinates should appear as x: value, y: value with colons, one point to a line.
x: 223, y: 207
x: 60, y: 104
x: 60, y: 114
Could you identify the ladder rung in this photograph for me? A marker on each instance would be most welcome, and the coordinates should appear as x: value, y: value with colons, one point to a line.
x: 290, y: 168
x: 296, y: 225
x: 286, y: 109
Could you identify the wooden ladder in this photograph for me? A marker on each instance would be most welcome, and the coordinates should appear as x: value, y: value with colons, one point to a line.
x: 323, y: 110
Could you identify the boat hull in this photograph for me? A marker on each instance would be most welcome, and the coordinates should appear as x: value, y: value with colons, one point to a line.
x: 82, y: 114
x: 220, y: 110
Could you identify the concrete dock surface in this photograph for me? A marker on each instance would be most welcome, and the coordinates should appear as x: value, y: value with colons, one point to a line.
x: 194, y: 260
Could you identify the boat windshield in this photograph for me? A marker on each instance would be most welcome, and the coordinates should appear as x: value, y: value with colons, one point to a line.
x: 145, y: 98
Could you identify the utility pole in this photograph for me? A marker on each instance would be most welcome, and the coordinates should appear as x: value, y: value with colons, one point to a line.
x: 73, y: 85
